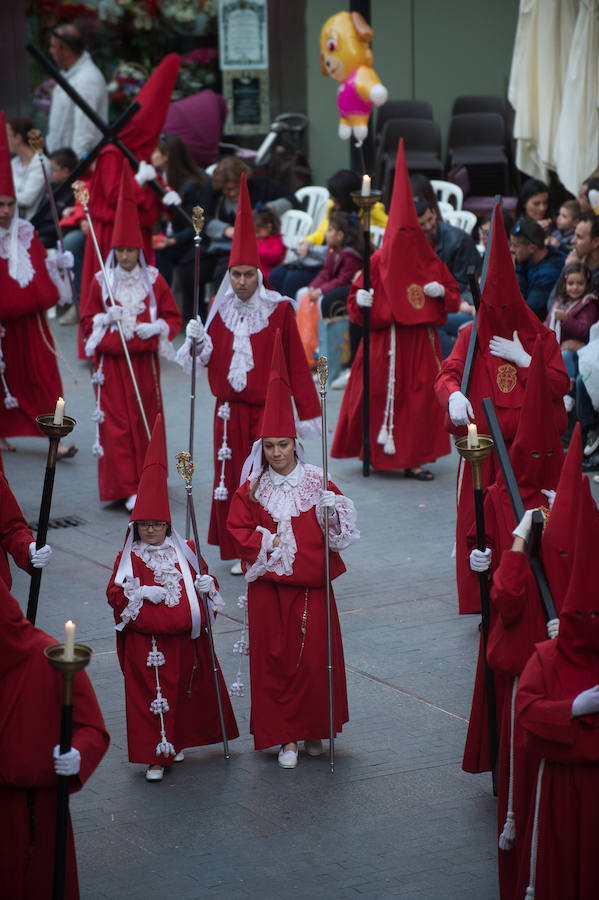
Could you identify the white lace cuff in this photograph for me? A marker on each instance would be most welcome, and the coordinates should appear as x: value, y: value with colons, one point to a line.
x: 59, y: 276
x: 258, y: 568
x: 309, y: 429
x: 165, y: 348
x: 216, y: 601
x: 345, y: 533
x: 99, y: 326
x: 133, y: 593
x: 183, y: 355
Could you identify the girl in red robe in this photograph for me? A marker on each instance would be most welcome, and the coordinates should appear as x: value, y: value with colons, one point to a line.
x: 162, y: 642
x: 277, y: 520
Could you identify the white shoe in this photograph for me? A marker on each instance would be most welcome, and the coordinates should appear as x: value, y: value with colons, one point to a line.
x: 288, y: 758
x: 155, y: 774
x: 130, y: 502
x: 341, y: 380
x: 70, y: 317
x: 236, y: 568
x: 313, y: 748
x: 179, y: 757
x: 569, y: 403
x: 592, y: 442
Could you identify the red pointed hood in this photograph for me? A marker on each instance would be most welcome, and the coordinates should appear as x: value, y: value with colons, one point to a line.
x: 244, y: 249
x: 126, y: 231
x: 407, y: 260
x: 536, y: 453
x: 277, y: 419
x: 142, y: 132
x: 152, y: 493
x: 557, y: 548
x: 7, y: 188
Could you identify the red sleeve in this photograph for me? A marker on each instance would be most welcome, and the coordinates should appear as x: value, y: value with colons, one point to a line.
x: 167, y: 307
x: 302, y: 385
x: 449, y: 377
x: 242, y: 522
x: 509, y: 592
x: 89, y: 732
x: 15, y: 536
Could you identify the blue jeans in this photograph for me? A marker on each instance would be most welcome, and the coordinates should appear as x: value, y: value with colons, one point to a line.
x: 585, y: 411
x: 75, y: 242
x: 570, y: 358
x: 449, y: 331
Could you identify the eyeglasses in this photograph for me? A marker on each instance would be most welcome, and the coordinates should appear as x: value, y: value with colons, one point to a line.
x: 152, y: 524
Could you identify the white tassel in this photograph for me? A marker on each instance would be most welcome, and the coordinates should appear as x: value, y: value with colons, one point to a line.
x: 508, y: 835
x: 165, y: 748
x: 97, y: 416
x: 237, y: 688
x: 221, y: 492
x: 383, y: 435
x: 10, y: 402
x: 160, y: 704
x: 530, y: 892
x: 225, y: 452
x: 98, y: 449
x: 389, y: 447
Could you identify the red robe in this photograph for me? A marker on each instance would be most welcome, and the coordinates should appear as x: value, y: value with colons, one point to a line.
x: 289, y: 683
x: 507, y: 403
x: 15, y: 534
x: 568, y: 837
x: 186, y: 677
x: 418, y: 430
x: 31, y: 369
x: 122, y: 433
x: 246, y: 406
x: 30, y: 713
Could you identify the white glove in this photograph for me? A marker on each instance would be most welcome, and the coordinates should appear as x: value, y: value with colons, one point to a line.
x: 205, y: 584
x: 586, y: 702
x: 513, y: 351
x: 64, y: 259
x: 434, y: 289
x: 522, y: 529
x: 40, y: 558
x: 114, y: 314
x: 364, y: 298
x: 67, y: 763
x: 550, y: 497
x: 460, y: 409
x: 147, y: 330
x: 552, y: 628
x: 194, y: 330
x: 172, y: 198
x: 153, y: 593
x: 480, y: 560
x: 327, y: 498
x: 145, y: 172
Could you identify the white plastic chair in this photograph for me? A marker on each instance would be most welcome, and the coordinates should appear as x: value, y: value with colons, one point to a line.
x: 295, y: 225
x: 209, y: 170
x: 445, y: 208
x: 446, y: 191
x: 461, y: 219
x: 318, y: 198
x: 376, y: 236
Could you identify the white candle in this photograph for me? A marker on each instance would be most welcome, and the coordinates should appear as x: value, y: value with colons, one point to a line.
x: 366, y: 185
x: 69, y: 641
x: 59, y: 412
x: 472, y: 437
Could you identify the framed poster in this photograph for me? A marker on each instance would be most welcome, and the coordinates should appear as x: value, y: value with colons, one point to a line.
x: 248, y: 101
x: 243, y: 34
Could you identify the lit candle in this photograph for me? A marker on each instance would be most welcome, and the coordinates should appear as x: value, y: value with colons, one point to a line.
x: 366, y: 185
x: 472, y: 437
x: 69, y: 641
x: 59, y: 412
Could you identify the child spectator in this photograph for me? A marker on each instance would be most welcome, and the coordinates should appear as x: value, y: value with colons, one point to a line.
x: 571, y: 317
x: 326, y: 295
x: 271, y: 248
x: 567, y: 220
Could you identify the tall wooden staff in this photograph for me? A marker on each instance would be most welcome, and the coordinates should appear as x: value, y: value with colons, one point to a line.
x: 185, y: 470
x: 68, y: 664
x: 55, y: 426
x: 323, y: 374
x: 82, y: 195
x: 198, y: 224
x: 365, y: 201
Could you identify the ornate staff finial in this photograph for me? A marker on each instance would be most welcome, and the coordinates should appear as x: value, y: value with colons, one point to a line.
x: 35, y: 139
x: 184, y: 465
x: 81, y: 192
x: 197, y: 217
x: 323, y: 371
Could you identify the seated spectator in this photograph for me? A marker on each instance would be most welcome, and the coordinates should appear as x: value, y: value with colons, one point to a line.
x: 27, y: 172
x: 586, y: 245
x: 533, y: 203
x: 483, y: 232
x: 458, y: 251
x: 537, y: 267
x: 571, y: 316
x: 422, y: 188
x: 566, y: 221
x: 289, y: 278
x: 327, y: 293
x: 271, y: 248
x: 590, y: 184
x: 221, y: 207
x: 174, y: 245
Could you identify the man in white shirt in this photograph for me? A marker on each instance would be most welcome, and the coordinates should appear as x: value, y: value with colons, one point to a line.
x: 68, y: 125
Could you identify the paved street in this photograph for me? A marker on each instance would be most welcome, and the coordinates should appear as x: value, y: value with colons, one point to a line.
x: 398, y: 818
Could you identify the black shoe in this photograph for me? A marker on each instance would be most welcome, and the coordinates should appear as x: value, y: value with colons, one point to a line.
x: 591, y: 463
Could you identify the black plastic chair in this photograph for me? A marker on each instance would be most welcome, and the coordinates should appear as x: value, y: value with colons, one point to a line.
x: 478, y: 141
x: 401, y: 109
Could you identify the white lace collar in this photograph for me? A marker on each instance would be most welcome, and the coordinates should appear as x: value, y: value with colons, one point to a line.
x: 161, y: 560
x: 283, y: 499
x: 292, y: 478
x: 129, y: 290
x: 14, y: 246
x: 244, y: 318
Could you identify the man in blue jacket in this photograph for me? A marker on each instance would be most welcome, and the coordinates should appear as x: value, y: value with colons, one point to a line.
x: 537, y: 267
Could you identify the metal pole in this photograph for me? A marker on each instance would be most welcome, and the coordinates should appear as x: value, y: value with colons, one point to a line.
x: 323, y: 374
x: 198, y: 224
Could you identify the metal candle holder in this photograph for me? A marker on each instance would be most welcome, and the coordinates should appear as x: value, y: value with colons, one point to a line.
x: 475, y: 455
x: 55, y: 433
x: 365, y: 204
x: 68, y: 668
